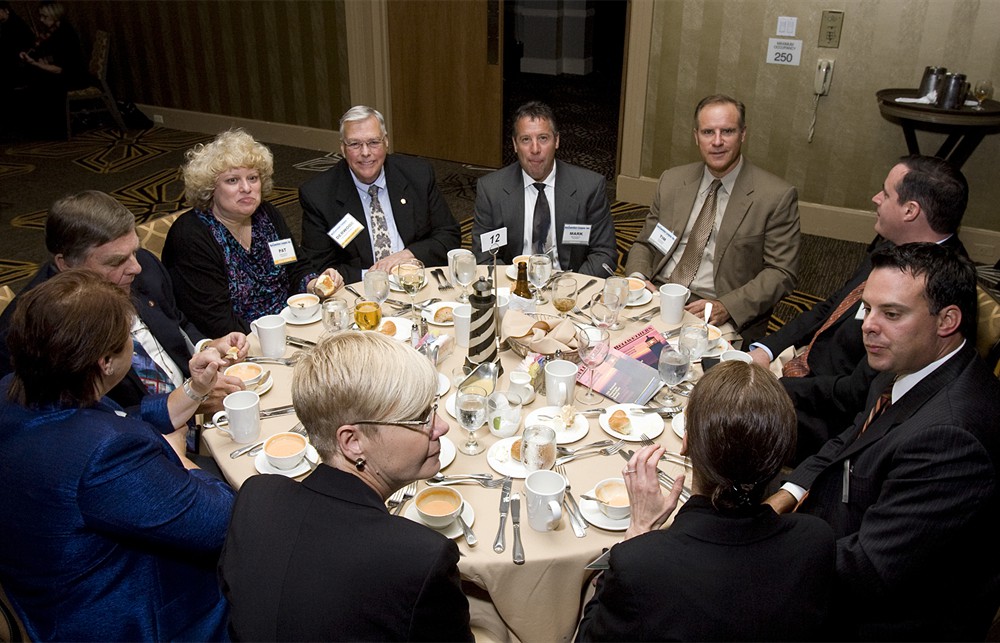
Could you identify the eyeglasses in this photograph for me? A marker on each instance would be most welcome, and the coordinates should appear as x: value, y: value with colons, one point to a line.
x: 374, y: 144
x: 420, y: 426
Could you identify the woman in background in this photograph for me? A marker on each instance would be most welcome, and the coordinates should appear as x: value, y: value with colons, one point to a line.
x: 232, y: 257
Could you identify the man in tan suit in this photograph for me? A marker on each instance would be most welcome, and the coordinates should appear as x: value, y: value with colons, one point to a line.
x: 723, y: 227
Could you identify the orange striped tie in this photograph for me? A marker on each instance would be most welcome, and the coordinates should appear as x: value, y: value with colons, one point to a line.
x: 798, y: 366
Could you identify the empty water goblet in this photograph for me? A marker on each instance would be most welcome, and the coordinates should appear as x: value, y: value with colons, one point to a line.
x: 616, y: 296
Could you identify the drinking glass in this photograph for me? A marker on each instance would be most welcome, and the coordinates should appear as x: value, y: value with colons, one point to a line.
x: 538, y: 447
x: 410, y: 276
x: 470, y: 405
x: 673, y: 367
x: 593, y: 344
x: 694, y: 338
x: 539, y: 273
x: 504, y: 413
x: 376, y: 285
x: 336, y: 315
x: 982, y: 91
x: 600, y: 313
x: 465, y: 274
x: 564, y: 295
x: 367, y: 314
x: 615, y: 298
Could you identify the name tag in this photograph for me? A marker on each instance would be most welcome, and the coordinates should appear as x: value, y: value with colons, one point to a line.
x: 493, y: 239
x: 576, y: 234
x: 861, y: 312
x: 345, y: 231
x: 662, y: 239
x: 282, y: 251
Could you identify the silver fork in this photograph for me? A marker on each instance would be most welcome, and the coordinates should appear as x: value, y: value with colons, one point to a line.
x: 613, y: 449
x: 396, y: 499
x: 593, y: 445
x: 669, y: 456
x: 646, y: 316
x: 409, y: 491
x: 443, y: 283
x: 489, y: 484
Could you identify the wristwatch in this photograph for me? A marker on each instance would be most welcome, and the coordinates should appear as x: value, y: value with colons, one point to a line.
x: 190, y: 392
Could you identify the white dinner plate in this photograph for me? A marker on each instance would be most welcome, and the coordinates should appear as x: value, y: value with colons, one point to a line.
x: 289, y: 318
x: 448, y: 450
x: 592, y: 513
x: 721, y: 348
x: 500, y: 460
x: 564, y: 434
x: 643, y: 299
x: 454, y: 530
x: 263, y: 466
x: 443, y: 384
x: 395, y: 287
x: 433, y: 308
x: 403, y: 327
x: 651, y: 423
x: 677, y: 424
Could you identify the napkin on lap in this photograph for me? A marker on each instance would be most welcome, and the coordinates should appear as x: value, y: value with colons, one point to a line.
x: 540, y: 336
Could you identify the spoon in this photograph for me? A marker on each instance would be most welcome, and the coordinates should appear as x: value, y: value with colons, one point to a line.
x: 586, y: 497
x: 708, y: 312
x: 608, y: 268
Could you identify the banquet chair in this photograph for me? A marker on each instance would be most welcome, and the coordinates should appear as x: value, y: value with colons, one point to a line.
x: 6, y: 296
x: 99, y: 91
x: 153, y: 233
x: 11, y: 628
x: 988, y: 329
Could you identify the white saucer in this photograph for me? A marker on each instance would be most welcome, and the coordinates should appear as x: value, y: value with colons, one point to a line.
x: 403, y: 327
x: 454, y: 530
x: 263, y: 466
x: 449, y: 405
x: 433, y: 308
x: 564, y: 435
x: 677, y: 424
x: 265, y: 386
x: 443, y: 384
x: 500, y: 461
x: 643, y: 299
x: 448, y: 451
x: 395, y: 287
x: 286, y: 313
x: 721, y: 348
x: 511, y: 272
x: 592, y: 513
x: 651, y: 424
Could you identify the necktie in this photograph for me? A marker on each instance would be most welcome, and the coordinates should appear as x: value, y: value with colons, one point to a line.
x: 542, y: 222
x: 380, y: 233
x: 687, y: 267
x: 883, y: 402
x: 798, y: 366
x: 152, y: 376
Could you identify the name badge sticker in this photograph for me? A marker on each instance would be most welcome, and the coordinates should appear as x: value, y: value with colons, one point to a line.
x: 345, y: 230
x: 662, y: 239
x: 282, y: 251
x: 493, y: 239
x: 576, y: 234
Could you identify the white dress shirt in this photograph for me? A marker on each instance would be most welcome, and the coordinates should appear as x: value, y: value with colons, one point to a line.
x: 530, y: 197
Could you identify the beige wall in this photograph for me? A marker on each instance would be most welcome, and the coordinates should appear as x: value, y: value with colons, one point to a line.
x: 699, y: 47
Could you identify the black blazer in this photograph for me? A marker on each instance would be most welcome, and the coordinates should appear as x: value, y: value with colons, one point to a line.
x: 917, y: 555
x: 422, y: 217
x: 322, y: 560
x: 711, y: 577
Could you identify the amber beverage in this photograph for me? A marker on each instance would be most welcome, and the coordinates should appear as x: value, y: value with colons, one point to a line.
x: 367, y: 315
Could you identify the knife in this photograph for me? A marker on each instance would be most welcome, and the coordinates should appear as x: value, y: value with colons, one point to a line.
x: 575, y: 516
x: 266, y: 413
x: 515, y: 519
x: 666, y: 481
x: 587, y: 285
x: 351, y: 290
x: 299, y: 342
x: 499, y: 544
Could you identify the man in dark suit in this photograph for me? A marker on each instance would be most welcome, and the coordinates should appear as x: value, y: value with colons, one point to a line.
x: 373, y: 209
x: 568, y: 217
x: 92, y: 230
x: 923, y: 199
x: 725, y: 228
x: 911, y: 488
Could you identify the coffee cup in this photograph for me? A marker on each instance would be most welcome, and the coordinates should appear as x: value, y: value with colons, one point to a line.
x: 503, y: 301
x: 672, y: 300
x: 735, y: 356
x: 714, y: 336
x: 303, y: 306
x: 241, y: 417
x: 438, y: 506
x: 560, y: 380
x: 285, y: 450
x: 270, y: 331
x: 544, y: 491
x: 635, y: 289
x: 463, y: 320
x: 612, y: 498
x: 520, y: 259
x: 248, y: 372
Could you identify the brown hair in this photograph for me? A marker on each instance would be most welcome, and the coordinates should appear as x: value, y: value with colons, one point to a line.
x: 740, y: 429
x: 59, y: 332
x: 721, y: 99
x: 80, y: 222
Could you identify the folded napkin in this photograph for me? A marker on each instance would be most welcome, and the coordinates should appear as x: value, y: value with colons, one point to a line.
x: 929, y: 99
x: 540, y: 336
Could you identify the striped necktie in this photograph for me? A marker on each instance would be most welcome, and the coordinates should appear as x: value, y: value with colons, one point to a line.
x: 687, y: 267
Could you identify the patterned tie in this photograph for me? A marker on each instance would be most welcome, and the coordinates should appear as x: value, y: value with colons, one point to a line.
x: 542, y: 222
x: 152, y: 376
x: 883, y: 402
x: 687, y: 267
x: 380, y: 233
x: 798, y: 366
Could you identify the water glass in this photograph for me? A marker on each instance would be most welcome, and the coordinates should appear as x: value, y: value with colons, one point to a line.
x: 593, y: 344
x: 465, y: 274
x: 615, y: 297
x: 504, y: 414
x: 336, y: 315
x: 673, y: 367
x: 538, y: 447
x: 601, y: 313
x: 376, y: 284
x: 694, y: 338
x: 470, y: 404
x: 539, y: 273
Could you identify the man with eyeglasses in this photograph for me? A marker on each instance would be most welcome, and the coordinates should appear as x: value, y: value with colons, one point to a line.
x: 724, y: 228
x: 374, y: 209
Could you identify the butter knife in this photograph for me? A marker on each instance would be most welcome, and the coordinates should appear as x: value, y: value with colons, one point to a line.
x: 576, y: 520
x: 265, y: 414
x: 299, y: 342
x: 351, y: 290
x: 587, y: 285
x: 499, y: 544
x: 515, y: 519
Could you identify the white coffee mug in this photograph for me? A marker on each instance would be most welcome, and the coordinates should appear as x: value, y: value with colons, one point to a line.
x: 503, y: 301
x: 243, y: 416
x: 672, y: 300
x: 560, y: 379
x: 463, y: 320
x: 544, y: 492
x: 270, y: 331
x: 735, y: 356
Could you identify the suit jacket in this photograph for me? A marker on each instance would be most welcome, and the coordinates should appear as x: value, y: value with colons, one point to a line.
x: 921, y: 509
x: 713, y: 577
x: 153, y: 296
x: 756, y: 245
x: 322, y: 560
x: 106, y: 536
x: 581, y: 198
x: 422, y: 216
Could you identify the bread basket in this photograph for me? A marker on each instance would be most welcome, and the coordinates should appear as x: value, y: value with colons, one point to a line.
x: 521, y: 349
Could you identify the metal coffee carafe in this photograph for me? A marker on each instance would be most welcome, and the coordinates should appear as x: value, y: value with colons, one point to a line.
x: 954, y: 89
x: 930, y: 84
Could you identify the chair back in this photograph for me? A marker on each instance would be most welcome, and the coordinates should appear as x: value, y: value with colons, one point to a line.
x: 6, y: 296
x: 153, y: 234
x: 11, y: 627
x: 99, y: 55
x: 988, y: 329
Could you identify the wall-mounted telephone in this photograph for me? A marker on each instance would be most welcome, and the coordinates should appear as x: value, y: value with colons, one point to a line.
x: 824, y: 75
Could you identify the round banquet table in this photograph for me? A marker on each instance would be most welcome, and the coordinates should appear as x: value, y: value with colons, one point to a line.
x: 540, y: 600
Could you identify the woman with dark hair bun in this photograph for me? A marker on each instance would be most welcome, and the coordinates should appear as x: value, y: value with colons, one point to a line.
x: 729, y: 567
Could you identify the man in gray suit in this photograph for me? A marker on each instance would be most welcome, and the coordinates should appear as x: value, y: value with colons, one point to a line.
x: 910, y: 488
x: 547, y: 207
x: 725, y: 228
